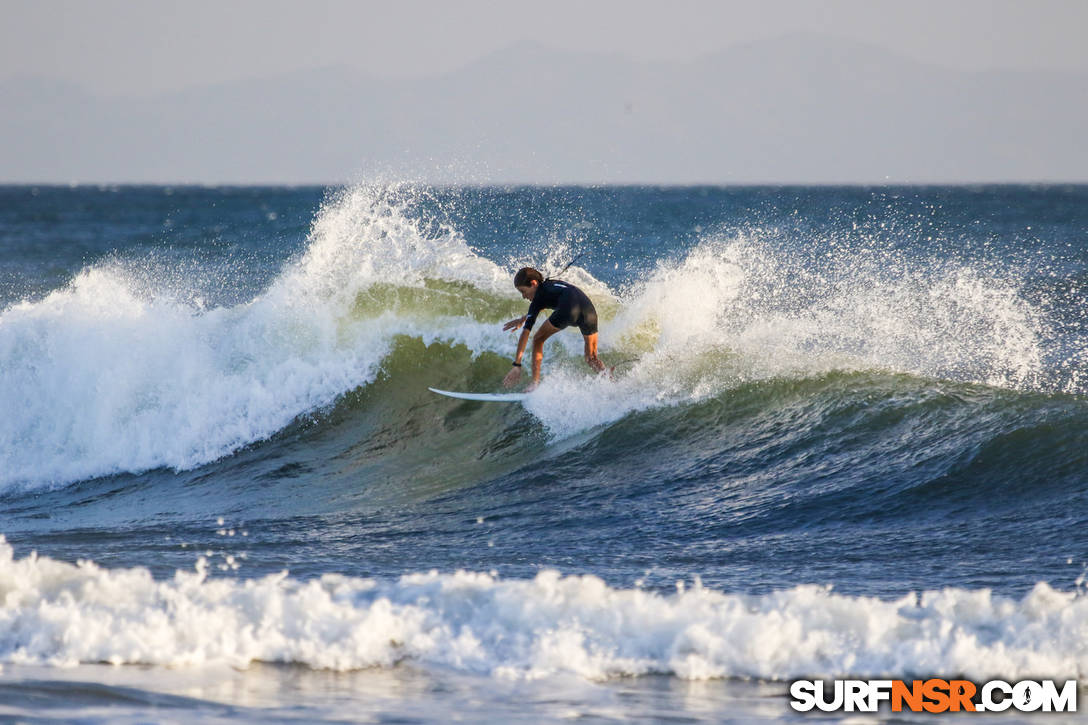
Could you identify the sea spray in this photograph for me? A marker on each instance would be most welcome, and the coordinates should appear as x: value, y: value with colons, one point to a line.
x: 737, y: 310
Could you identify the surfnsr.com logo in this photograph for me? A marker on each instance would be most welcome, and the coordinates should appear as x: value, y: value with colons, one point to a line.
x: 933, y: 695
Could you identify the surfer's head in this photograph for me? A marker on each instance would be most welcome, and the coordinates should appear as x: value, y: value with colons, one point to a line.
x: 527, y: 280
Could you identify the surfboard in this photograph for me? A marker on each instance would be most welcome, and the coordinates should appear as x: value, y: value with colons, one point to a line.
x: 483, y: 397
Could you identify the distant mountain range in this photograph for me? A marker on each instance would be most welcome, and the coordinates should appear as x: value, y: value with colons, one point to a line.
x: 800, y: 109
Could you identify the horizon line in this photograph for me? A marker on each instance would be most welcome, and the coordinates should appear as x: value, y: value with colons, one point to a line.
x: 539, y: 184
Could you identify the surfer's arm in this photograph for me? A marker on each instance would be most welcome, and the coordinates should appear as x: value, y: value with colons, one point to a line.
x: 514, y: 323
x: 514, y: 375
x: 523, y: 342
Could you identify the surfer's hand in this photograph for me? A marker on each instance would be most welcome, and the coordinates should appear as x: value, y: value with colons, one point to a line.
x: 512, y: 378
x: 513, y: 323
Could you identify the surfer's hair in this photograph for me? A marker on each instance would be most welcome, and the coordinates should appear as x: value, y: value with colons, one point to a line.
x: 526, y: 275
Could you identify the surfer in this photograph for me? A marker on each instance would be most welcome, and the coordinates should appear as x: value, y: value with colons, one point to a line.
x: 571, y: 307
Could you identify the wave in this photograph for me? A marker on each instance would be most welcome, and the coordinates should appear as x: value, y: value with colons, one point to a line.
x: 117, y: 373
x: 111, y: 374
x: 478, y: 623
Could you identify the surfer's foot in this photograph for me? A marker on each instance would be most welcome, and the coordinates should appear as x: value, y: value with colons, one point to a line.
x: 532, y: 386
x: 595, y: 363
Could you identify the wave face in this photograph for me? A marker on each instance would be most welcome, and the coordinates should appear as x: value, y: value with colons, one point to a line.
x: 879, y: 391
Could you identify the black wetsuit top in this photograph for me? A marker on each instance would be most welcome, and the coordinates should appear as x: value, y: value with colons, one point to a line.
x: 571, y: 306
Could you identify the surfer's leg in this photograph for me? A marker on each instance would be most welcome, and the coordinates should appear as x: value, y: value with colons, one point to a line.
x: 591, y: 353
x: 586, y: 319
x: 546, y: 330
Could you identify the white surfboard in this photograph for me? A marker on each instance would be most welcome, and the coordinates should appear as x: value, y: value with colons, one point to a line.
x: 484, y: 397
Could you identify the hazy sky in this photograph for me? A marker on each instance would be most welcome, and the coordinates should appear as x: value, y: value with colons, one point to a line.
x: 794, y: 100
x: 132, y: 47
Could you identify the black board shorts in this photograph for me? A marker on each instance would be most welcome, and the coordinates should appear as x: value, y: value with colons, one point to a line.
x: 574, y: 308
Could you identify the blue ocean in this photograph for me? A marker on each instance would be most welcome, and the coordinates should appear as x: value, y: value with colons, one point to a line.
x: 846, y: 435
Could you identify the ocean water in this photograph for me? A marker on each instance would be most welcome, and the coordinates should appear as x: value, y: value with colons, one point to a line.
x: 847, y: 435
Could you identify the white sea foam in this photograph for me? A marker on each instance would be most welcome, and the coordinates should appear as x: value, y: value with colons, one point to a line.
x: 58, y: 614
